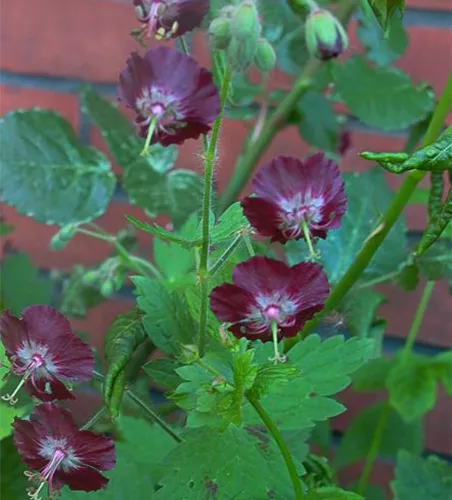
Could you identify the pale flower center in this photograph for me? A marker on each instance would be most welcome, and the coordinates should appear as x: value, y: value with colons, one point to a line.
x: 307, y: 208
x: 34, y: 359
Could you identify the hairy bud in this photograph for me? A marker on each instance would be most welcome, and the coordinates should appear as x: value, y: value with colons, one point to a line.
x: 220, y: 33
x: 107, y: 289
x: 325, y: 35
x: 265, y: 57
x: 240, y: 55
x: 245, y: 22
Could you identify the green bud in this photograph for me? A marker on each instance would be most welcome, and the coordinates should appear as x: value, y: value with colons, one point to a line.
x: 265, y: 57
x: 240, y: 55
x: 57, y: 243
x: 107, y: 289
x: 220, y: 33
x: 325, y: 35
x: 90, y: 278
x: 245, y: 23
x: 67, y: 232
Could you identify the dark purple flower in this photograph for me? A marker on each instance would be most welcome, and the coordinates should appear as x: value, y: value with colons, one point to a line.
x: 51, y: 444
x: 167, y: 19
x: 296, y: 199
x: 174, y: 98
x: 45, y: 352
x: 268, y: 293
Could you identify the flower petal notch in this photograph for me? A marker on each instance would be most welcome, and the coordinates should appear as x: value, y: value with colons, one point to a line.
x: 166, y: 19
x: 45, y: 353
x: 270, y: 300
x: 296, y: 199
x: 61, y: 454
x: 173, y: 96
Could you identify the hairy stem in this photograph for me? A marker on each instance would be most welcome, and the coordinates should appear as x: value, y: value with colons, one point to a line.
x: 203, y: 272
x: 95, y: 418
x: 290, y: 464
x: 251, y: 156
x: 388, y: 220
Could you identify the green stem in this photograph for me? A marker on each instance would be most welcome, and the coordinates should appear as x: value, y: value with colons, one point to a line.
x: 210, y: 156
x: 373, y: 450
x: 222, y: 259
x: 97, y: 416
x: 417, y: 320
x: 151, y: 130
x: 248, y: 243
x: 184, y: 46
x: 290, y: 464
x: 388, y: 220
x: 138, y: 263
x: 93, y: 234
x: 380, y: 279
x: 252, y: 155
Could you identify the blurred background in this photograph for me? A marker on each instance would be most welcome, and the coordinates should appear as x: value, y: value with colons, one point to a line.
x: 49, y: 48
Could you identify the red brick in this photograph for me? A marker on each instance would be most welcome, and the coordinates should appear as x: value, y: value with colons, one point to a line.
x: 382, y: 474
x: 12, y: 98
x: 429, y: 4
x: 77, y: 38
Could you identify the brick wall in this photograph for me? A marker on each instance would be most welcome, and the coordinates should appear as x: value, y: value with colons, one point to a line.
x: 50, y: 47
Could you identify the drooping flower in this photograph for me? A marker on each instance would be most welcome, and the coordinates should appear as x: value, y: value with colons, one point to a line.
x: 269, y: 299
x: 51, y: 444
x: 45, y: 352
x: 296, y: 199
x: 167, y: 19
x: 174, y: 98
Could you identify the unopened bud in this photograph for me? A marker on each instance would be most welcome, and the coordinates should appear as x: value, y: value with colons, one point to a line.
x: 325, y: 35
x: 220, y: 33
x: 62, y: 237
x: 90, y: 278
x: 265, y: 57
x: 67, y: 232
x: 245, y: 23
x: 107, y: 289
x: 240, y: 54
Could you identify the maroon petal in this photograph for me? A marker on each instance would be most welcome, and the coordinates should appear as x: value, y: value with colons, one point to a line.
x: 48, y: 389
x: 261, y: 275
x: 82, y: 479
x: 191, y: 131
x: 264, y: 217
x: 133, y: 79
x: 45, y: 323
x: 230, y: 303
x: 27, y: 436
x: 187, y: 13
x: 94, y: 450
x: 310, y: 285
x: 13, y: 333
x: 53, y: 420
x: 240, y: 330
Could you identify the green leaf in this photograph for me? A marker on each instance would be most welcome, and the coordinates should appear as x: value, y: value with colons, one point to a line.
x: 21, y: 285
x: 327, y: 365
x: 420, y: 196
x: 384, y: 10
x: 13, y: 483
x: 123, y: 337
x: 176, y: 193
x: 231, y: 222
x: 373, y: 375
x: 412, y: 387
x: 173, y: 260
x: 433, y: 157
x: 436, y: 262
x: 339, y: 249
x: 163, y: 372
x: 166, y: 318
x: 359, y: 307
x: 421, y: 479
x: 384, y: 98
x: 76, y: 296
x: 380, y: 49
x: 116, y: 130
x: 5, y: 228
x: 396, y: 435
x: 442, y: 368
x: 48, y: 174
x: 222, y: 465
x: 318, y: 126
x: 332, y: 493
x: 291, y: 52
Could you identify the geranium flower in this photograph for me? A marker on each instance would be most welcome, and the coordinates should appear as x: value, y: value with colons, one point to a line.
x: 174, y: 98
x: 269, y: 299
x: 167, y: 19
x: 296, y: 199
x: 52, y: 444
x: 45, y: 352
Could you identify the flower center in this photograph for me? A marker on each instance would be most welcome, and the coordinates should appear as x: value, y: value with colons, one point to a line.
x: 156, y: 20
x: 272, y: 313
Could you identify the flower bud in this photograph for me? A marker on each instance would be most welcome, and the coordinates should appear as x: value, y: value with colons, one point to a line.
x: 62, y: 237
x: 240, y: 55
x: 325, y: 36
x: 90, y: 278
x: 265, y: 57
x: 245, y: 23
x: 220, y: 33
x: 107, y: 289
x: 67, y: 232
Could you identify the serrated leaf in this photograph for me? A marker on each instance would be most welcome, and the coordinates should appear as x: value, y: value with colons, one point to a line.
x: 231, y: 222
x: 380, y: 49
x: 332, y: 493
x: 21, y: 285
x: 326, y: 366
x: 163, y: 372
x: 165, y: 316
x: 123, y: 337
x: 359, y: 307
x: 396, y: 435
x: 384, y: 98
x: 318, y: 126
x: 48, y: 174
x: 220, y: 465
x: 173, y: 260
x: 421, y: 479
x: 412, y: 387
x: 339, y: 249
x: 442, y: 369
x: 373, y: 375
x: 385, y: 9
